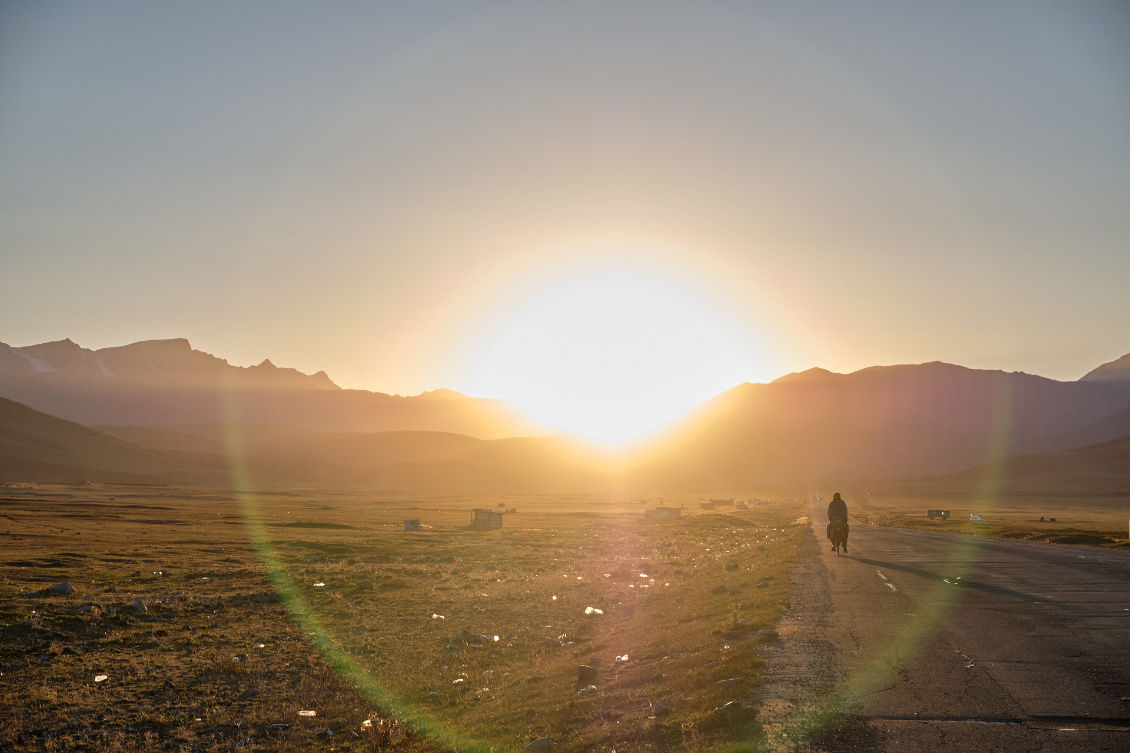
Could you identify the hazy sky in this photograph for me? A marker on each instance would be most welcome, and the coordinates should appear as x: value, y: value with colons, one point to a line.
x: 381, y: 190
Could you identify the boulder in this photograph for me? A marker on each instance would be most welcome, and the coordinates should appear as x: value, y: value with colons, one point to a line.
x: 364, y: 585
x: 767, y: 636
x: 541, y: 745
x: 734, y: 712
x: 585, y: 674
x: 139, y: 606
x: 62, y: 588
x: 719, y: 590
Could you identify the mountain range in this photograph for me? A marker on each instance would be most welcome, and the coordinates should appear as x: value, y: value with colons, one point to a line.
x: 163, y: 411
x: 162, y: 382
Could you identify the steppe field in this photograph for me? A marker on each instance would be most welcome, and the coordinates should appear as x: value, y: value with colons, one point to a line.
x: 306, y: 620
x: 1096, y: 520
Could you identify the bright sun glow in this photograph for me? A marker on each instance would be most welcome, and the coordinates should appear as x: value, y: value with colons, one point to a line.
x: 611, y: 355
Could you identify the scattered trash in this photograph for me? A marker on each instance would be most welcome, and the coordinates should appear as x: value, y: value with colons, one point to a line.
x: 307, y: 712
x: 621, y: 659
x: 368, y: 723
x: 438, y: 617
x: 101, y: 678
x: 586, y: 691
x: 593, y: 610
x: 319, y: 585
x: 974, y: 516
x: 161, y: 572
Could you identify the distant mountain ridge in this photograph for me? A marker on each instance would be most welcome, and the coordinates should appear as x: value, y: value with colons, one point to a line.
x: 1115, y: 372
x: 168, y: 360
x: 165, y: 382
x: 921, y: 419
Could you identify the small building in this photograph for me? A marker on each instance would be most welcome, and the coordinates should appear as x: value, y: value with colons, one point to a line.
x: 944, y: 514
x: 412, y: 524
x: 662, y: 512
x: 485, y: 519
x: 707, y: 505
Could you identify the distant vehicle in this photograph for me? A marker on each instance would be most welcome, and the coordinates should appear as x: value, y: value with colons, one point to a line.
x: 975, y: 516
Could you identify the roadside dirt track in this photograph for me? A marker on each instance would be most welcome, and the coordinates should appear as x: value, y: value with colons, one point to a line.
x: 933, y: 641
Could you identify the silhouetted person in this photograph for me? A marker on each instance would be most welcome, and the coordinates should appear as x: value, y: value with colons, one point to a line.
x: 838, y: 516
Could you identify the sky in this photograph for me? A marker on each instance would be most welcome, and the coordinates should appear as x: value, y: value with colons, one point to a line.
x: 647, y: 201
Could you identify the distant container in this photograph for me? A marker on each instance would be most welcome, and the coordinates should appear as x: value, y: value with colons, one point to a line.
x: 724, y: 501
x: 707, y: 505
x: 662, y: 512
x: 485, y: 519
x: 412, y: 524
x: 944, y: 514
x: 974, y: 516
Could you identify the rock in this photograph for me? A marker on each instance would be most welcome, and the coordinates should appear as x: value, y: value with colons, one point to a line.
x: 467, y: 636
x: 732, y: 635
x: 540, y: 745
x: 586, y: 691
x: 111, y: 589
x: 719, y: 590
x: 765, y: 579
x: 760, y: 548
x: 87, y: 609
x: 734, y: 712
x: 731, y: 566
x: 139, y: 606
x: 735, y: 592
x: 586, y: 674
x: 659, y: 710
x: 762, y: 584
x: 62, y: 588
x: 768, y: 636
x: 364, y: 585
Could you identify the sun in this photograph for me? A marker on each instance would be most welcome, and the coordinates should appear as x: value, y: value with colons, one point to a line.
x: 611, y: 354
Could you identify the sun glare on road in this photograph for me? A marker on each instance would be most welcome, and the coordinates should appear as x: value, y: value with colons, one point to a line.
x: 612, y: 355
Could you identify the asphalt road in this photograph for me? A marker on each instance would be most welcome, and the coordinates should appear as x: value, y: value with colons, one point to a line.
x: 949, y: 642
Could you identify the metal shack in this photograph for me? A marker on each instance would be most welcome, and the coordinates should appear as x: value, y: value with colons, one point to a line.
x: 486, y: 519
x: 938, y: 514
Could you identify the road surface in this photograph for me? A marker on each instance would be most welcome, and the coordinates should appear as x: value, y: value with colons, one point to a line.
x: 932, y: 641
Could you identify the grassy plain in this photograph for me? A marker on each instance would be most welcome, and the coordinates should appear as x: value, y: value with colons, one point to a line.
x: 259, y: 606
x: 1086, y: 520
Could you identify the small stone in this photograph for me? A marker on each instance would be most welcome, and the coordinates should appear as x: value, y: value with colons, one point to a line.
x: 540, y: 745
x: 762, y: 584
x: 768, y: 636
x: 62, y: 588
x: 731, y: 566
x: 364, y: 585
x: 719, y: 590
x: 735, y: 592
x: 87, y: 609
x: 139, y: 606
x: 586, y: 674
x: 659, y: 710
x: 760, y: 548
x: 111, y: 589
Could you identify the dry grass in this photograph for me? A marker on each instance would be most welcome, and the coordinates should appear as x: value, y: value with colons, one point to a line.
x: 219, y: 657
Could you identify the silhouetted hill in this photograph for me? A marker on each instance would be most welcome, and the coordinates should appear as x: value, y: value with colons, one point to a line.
x: 259, y: 455
x: 1116, y: 372
x: 162, y: 382
x: 907, y: 420
x: 37, y: 447
x: 1098, y: 470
